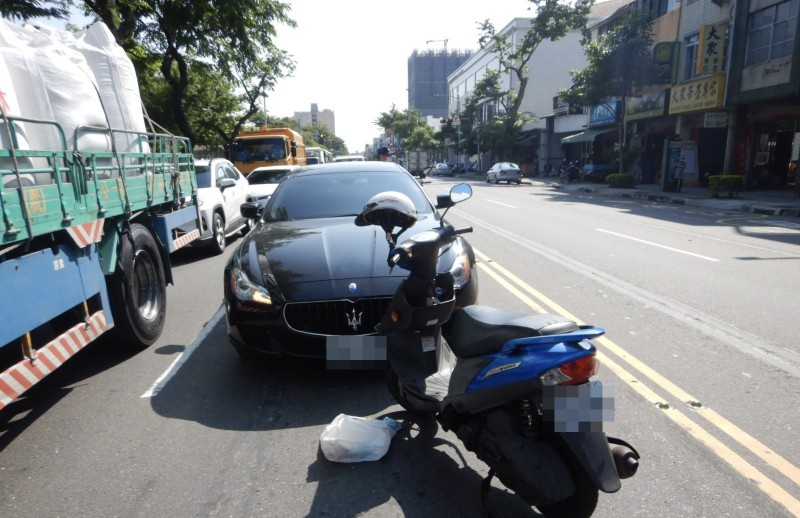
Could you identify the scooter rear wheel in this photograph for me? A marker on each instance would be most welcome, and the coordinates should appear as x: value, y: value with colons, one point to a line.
x: 581, y: 503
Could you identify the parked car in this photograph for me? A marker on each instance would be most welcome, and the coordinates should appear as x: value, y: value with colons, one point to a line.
x: 308, y: 282
x: 595, y: 172
x: 221, y: 190
x: 441, y: 169
x: 504, y: 172
x: 264, y: 180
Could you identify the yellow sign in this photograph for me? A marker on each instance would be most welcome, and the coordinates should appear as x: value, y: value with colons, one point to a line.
x: 703, y: 94
x: 36, y: 201
x: 711, y: 49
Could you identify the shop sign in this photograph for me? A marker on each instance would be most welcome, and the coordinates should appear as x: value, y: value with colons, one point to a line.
x: 703, y: 94
x: 716, y: 120
x: 665, y: 57
x: 711, y: 49
x: 564, y: 108
x: 605, y: 113
x: 645, y: 106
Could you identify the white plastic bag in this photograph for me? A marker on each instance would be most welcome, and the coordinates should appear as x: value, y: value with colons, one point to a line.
x: 357, y: 439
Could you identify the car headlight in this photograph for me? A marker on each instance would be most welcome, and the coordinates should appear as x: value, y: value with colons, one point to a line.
x: 244, y: 290
x: 461, y: 269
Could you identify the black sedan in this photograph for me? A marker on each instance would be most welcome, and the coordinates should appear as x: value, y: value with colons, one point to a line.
x: 308, y: 282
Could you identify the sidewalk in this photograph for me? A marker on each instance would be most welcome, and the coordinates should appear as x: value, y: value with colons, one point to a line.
x: 769, y: 202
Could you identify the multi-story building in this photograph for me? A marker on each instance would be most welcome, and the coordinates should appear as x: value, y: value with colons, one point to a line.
x: 763, y: 91
x: 549, y: 66
x: 316, y: 118
x: 427, y: 79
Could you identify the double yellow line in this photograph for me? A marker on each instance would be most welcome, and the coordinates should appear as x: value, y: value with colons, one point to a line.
x: 540, y: 303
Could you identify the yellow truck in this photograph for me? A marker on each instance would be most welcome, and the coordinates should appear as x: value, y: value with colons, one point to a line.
x: 266, y: 147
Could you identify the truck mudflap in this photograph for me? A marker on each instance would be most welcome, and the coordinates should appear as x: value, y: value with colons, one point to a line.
x: 38, y: 363
x: 593, y: 452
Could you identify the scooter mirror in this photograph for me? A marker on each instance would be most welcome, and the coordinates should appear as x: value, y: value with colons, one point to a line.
x: 460, y: 192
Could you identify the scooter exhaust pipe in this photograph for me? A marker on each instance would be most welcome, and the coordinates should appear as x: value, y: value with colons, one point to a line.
x: 626, y: 460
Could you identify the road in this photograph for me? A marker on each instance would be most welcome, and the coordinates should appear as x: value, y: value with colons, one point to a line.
x: 699, y: 353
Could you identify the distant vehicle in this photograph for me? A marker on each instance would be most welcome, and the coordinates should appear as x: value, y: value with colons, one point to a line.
x: 417, y: 163
x: 349, y: 158
x: 441, y: 169
x: 263, y: 181
x: 267, y: 146
x: 318, y: 155
x: 221, y: 190
x: 508, y: 172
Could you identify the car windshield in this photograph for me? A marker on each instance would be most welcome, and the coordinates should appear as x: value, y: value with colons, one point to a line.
x: 259, y: 177
x: 340, y: 194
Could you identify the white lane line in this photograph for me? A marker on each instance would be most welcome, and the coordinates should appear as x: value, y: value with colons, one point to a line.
x: 162, y: 380
x: 659, y: 246
x: 503, y: 204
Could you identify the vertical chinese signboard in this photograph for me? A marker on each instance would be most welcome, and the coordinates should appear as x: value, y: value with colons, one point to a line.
x: 711, y: 49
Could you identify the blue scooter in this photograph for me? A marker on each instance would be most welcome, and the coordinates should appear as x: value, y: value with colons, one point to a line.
x: 515, y: 388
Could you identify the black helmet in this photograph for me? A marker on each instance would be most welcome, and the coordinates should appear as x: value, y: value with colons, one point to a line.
x: 388, y: 210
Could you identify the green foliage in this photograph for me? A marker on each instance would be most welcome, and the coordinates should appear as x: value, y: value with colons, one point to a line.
x: 728, y: 184
x: 618, y: 60
x: 552, y: 21
x: 231, y: 41
x: 410, y: 128
x: 623, y: 180
x: 27, y: 9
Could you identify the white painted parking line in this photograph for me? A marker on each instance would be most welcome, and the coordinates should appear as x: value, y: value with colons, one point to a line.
x: 162, y: 380
x: 658, y: 245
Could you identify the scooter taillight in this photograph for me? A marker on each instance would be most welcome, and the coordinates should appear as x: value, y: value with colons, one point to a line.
x: 572, y: 373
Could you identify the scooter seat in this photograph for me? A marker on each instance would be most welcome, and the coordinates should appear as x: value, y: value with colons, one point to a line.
x: 477, y: 330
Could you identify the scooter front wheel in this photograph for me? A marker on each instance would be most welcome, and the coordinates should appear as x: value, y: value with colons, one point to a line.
x: 408, y: 401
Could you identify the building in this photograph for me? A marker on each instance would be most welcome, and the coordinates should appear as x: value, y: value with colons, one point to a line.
x: 427, y: 79
x: 550, y: 68
x: 315, y: 118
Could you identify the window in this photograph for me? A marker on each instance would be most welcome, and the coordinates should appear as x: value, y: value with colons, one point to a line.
x: 690, y: 57
x: 771, y: 32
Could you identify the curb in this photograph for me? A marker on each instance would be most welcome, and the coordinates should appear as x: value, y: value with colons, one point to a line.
x: 754, y: 209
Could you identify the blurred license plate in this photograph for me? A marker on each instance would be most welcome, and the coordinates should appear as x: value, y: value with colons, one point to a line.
x: 578, y: 408
x: 355, y: 352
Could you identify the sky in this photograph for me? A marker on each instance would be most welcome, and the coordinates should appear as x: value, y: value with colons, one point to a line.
x: 352, y: 55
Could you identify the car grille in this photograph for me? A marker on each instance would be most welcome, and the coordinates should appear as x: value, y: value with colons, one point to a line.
x: 336, y: 317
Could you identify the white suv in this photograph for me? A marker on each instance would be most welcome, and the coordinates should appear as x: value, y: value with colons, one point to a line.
x: 221, y: 190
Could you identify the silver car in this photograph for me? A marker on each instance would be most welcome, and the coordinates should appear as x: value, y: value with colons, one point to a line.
x: 504, y: 172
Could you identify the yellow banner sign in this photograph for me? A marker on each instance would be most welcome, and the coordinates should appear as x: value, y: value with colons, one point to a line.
x: 703, y: 94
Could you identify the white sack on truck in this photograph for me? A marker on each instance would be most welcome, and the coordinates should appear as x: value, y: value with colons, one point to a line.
x: 54, y: 83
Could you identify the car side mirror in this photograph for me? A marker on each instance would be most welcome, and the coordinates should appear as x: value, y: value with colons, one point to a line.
x: 225, y: 183
x: 250, y: 210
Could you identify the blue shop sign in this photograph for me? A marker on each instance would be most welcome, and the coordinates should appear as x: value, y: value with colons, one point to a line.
x: 606, y: 113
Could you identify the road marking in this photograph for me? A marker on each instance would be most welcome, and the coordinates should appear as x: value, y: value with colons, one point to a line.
x: 658, y: 246
x: 162, y: 380
x: 503, y: 204
x: 769, y: 456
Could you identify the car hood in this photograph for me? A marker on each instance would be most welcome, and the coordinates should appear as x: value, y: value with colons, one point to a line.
x: 262, y: 189
x: 323, y: 258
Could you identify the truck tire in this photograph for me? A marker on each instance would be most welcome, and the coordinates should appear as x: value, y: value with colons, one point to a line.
x: 137, y: 290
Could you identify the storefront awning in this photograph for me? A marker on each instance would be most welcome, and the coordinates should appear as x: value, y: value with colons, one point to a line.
x: 586, y: 136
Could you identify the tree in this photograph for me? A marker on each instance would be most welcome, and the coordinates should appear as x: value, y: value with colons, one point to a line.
x: 409, y: 127
x: 618, y: 61
x: 27, y: 9
x: 553, y: 20
x: 234, y: 38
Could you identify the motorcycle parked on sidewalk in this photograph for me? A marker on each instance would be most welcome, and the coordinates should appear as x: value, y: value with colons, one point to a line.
x: 515, y: 388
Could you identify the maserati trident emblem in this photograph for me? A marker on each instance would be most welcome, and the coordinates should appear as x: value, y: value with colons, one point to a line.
x: 354, y: 320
